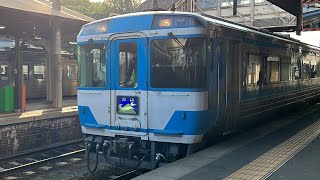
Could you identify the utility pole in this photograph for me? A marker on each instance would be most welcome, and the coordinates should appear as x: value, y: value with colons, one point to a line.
x: 18, y: 73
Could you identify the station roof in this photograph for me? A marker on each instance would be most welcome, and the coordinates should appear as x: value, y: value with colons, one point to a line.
x: 291, y: 6
x: 294, y: 7
x: 35, y: 16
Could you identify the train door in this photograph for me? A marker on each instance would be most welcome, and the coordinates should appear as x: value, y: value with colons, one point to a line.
x: 232, y: 85
x: 226, y: 58
x: 129, y: 70
x: 219, y: 56
x: 4, y: 74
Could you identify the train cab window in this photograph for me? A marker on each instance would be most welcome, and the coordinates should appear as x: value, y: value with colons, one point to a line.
x: 25, y: 69
x: 4, y: 72
x: 128, y: 62
x: 178, y: 63
x: 38, y: 72
x: 273, y: 69
x: 92, y: 65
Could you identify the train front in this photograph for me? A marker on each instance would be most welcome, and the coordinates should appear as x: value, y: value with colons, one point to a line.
x: 142, y: 88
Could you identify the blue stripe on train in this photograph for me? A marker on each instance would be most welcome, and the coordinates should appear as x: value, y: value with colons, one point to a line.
x: 181, y: 123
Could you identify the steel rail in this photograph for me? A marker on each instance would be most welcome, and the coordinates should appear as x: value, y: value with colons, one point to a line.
x: 5, y: 171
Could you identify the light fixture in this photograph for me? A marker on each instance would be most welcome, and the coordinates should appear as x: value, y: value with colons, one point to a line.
x: 103, y: 28
x: 165, y: 23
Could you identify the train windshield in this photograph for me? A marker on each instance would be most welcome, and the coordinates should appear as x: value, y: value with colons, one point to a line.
x: 92, y: 65
x: 178, y: 63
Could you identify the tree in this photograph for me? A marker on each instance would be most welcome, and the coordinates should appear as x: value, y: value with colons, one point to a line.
x: 99, y: 10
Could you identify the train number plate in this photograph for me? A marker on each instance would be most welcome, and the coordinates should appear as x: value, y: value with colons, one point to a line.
x: 128, y: 105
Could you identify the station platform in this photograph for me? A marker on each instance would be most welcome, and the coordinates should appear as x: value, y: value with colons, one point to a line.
x: 39, y: 128
x: 37, y: 110
x: 284, y: 149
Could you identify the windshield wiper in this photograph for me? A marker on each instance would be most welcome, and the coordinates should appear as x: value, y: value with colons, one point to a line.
x: 175, y: 39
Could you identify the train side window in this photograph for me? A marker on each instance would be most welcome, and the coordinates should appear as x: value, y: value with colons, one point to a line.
x: 285, y: 71
x: 313, y: 69
x: 296, y: 69
x: 4, y: 72
x: 128, y: 61
x: 317, y: 68
x: 255, y: 70
x: 71, y: 72
x: 25, y: 69
x: 309, y: 66
x: 38, y: 72
x: 306, y: 69
x: 273, y: 69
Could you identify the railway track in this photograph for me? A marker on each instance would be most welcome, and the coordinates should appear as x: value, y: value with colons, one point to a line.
x: 37, y: 165
x: 28, y: 166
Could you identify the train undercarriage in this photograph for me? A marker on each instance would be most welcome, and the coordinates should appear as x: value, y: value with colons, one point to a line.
x: 133, y: 152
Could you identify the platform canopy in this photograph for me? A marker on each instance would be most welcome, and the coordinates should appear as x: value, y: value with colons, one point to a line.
x: 291, y: 6
x: 294, y: 7
x: 35, y: 17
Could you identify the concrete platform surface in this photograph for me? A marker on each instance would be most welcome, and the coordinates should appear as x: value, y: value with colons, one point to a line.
x: 38, y: 111
x: 305, y: 165
x: 254, y: 155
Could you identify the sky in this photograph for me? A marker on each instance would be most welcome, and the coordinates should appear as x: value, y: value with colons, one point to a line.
x: 311, y: 37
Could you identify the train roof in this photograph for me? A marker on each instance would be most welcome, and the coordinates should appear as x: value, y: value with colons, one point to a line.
x: 209, y: 20
x: 245, y: 28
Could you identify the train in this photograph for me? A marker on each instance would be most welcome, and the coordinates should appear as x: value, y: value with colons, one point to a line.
x: 154, y: 86
x: 35, y: 70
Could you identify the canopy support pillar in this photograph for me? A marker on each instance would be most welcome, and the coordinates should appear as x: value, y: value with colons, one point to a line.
x: 18, y: 75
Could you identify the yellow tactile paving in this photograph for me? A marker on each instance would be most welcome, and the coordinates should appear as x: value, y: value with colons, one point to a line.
x: 265, y: 165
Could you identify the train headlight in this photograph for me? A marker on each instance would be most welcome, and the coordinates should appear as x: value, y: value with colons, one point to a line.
x: 103, y: 28
x: 165, y: 23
